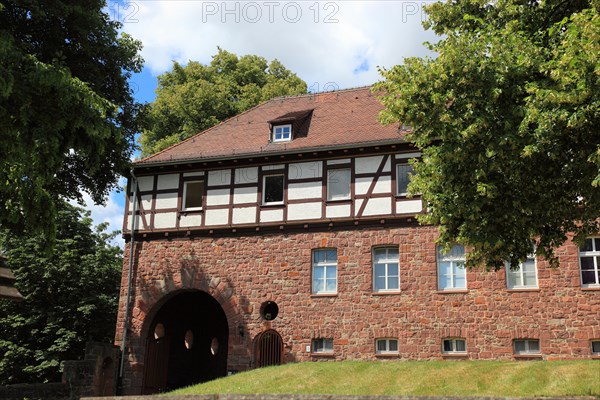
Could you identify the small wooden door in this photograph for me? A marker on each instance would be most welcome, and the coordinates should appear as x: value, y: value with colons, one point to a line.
x: 156, y: 365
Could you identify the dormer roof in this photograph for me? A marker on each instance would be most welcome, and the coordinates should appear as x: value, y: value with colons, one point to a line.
x: 339, y: 119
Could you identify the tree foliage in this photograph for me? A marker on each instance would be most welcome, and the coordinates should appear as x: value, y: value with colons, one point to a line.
x: 71, y: 297
x: 67, y: 115
x: 192, y: 98
x: 507, y: 116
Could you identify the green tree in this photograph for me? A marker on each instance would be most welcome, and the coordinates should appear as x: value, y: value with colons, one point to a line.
x: 192, y: 98
x: 67, y: 115
x: 507, y: 116
x: 71, y: 297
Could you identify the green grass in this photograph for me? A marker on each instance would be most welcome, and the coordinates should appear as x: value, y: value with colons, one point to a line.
x: 449, y: 378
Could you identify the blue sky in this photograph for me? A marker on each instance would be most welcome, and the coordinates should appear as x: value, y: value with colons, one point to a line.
x: 329, y: 44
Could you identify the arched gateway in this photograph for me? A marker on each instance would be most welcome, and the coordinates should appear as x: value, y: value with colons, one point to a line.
x: 187, y: 343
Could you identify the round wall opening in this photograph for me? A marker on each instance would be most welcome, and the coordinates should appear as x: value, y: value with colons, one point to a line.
x: 159, y: 331
x: 189, y: 339
x: 214, y: 346
x: 269, y: 310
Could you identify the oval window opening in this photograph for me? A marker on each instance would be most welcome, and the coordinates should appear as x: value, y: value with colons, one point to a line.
x: 159, y: 331
x: 269, y: 310
x: 214, y: 346
x: 189, y: 339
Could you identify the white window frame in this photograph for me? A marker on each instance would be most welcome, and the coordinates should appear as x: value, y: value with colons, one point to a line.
x: 331, y: 197
x: 454, y: 346
x: 284, y: 137
x: 519, y: 274
x: 264, y: 189
x: 595, y: 254
x: 402, y: 164
x: 322, y: 346
x: 325, y: 265
x: 185, y: 189
x: 595, y: 353
x: 454, y: 261
x: 387, y: 346
x: 386, y: 262
x: 527, y: 350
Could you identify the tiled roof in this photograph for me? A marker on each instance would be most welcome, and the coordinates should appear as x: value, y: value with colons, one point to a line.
x: 344, y: 118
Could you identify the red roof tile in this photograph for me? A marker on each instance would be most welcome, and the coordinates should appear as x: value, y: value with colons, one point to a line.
x: 344, y: 118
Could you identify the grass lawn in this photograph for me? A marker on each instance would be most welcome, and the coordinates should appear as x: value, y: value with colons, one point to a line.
x: 451, y: 378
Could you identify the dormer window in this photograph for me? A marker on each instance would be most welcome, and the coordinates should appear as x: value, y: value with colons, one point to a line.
x: 282, y: 133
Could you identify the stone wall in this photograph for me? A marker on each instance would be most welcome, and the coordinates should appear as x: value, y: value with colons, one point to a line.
x: 242, y: 272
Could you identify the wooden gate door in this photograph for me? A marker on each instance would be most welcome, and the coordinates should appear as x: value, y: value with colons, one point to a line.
x: 156, y: 365
x: 269, y: 349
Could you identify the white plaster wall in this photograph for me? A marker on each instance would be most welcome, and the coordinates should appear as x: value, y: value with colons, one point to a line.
x: 168, y: 181
x: 245, y: 195
x: 246, y: 175
x: 304, y: 211
x: 216, y: 217
x: 409, y: 206
x: 383, y: 185
x: 312, y: 169
x: 244, y: 215
x: 190, y: 220
x: 272, y: 167
x: 146, y: 201
x: 306, y: 190
x: 369, y: 165
x: 216, y: 197
x: 138, y: 222
x: 195, y: 173
x: 407, y: 155
x: 220, y: 177
x: 339, y: 211
x: 166, y: 200
x: 378, y: 206
x: 146, y: 183
x: 357, y: 204
x: 271, y: 215
x: 361, y: 185
x: 341, y: 161
x: 165, y: 220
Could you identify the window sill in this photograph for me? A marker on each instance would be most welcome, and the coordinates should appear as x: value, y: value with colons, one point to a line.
x: 528, y: 356
x: 324, y: 295
x: 525, y: 289
x: 382, y: 293
x: 272, y: 205
x: 455, y: 355
x: 590, y: 288
x: 191, y: 211
x: 330, y: 202
x: 595, y: 356
x: 453, y: 291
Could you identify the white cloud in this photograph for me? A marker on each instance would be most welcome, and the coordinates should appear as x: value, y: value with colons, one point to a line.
x: 321, y: 41
x: 112, y: 212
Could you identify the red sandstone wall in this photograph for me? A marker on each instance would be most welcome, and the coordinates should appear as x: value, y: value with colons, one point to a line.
x: 242, y: 272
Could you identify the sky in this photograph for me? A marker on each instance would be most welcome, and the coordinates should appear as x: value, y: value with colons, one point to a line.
x: 329, y: 44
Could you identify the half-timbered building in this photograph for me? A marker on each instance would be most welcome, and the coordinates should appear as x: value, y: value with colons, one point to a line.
x: 286, y: 234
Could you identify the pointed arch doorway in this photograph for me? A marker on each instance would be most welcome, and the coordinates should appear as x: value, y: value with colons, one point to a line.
x: 268, y: 349
x: 187, y: 343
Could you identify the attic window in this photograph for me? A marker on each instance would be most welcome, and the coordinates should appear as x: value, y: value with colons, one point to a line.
x: 282, y: 133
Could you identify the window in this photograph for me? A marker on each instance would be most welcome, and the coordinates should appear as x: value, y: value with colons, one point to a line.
x: 403, y: 173
x: 526, y: 346
x: 324, y: 271
x: 386, y: 346
x: 273, y: 189
x: 596, y: 347
x: 453, y: 346
x: 589, y: 262
x: 525, y: 276
x: 192, y: 195
x: 338, y: 184
x: 451, y: 268
x: 385, y: 269
x: 322, y: 345
x: 282, y: 133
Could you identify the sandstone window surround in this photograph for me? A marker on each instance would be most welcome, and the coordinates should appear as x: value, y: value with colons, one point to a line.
x: 322, y: 346
x: 454, y: 346
x: 526, y: 347
x: 386, y: 346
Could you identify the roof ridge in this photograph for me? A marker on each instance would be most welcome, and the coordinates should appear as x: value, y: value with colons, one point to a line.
x: 295, y: 96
